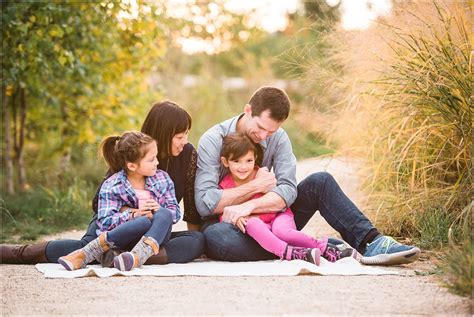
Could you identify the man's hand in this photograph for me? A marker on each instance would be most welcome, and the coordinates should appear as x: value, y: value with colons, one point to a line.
x: 265, y: 179
x: 232, y: 213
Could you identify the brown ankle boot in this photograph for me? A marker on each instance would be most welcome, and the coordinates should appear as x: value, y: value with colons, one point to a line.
x: 23, y: 254
x: 160, y: 258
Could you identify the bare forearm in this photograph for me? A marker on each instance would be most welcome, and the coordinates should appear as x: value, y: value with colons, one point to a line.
x: 236, y: 196
x: 268, y: 203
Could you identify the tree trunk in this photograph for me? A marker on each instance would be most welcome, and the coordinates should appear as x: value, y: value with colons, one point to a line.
x: 65, y: 160
x: 21, y: 141
x: 8, y: 143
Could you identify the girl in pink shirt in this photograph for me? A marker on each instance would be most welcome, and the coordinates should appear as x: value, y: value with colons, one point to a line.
x: 275, y: 232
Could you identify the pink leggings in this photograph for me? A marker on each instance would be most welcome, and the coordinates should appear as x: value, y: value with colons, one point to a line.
x: 276, y: 235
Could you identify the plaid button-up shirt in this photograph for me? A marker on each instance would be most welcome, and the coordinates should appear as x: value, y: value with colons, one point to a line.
x: 117, y: 192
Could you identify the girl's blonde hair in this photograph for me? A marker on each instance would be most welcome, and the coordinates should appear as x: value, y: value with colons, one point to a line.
x: 128, y: 147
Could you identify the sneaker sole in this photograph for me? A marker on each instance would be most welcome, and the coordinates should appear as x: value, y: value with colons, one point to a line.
x: 403, y: 257
x: 123, y: 264
x: 66, y: 264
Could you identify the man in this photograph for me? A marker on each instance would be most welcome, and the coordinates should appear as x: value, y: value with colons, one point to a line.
x: 263, y: 116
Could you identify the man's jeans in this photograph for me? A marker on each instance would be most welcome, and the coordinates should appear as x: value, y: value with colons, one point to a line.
x: 319, y: 191
x: 182, y: 247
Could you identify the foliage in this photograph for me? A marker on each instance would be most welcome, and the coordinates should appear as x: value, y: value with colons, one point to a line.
x: 43, y: 210
x: 77, y: 63
x: 409, y: 112
x: 424, y: 158
x: 90, y: 69
x: 458, y: 268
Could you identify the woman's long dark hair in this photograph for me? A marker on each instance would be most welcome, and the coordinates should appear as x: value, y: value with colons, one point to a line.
x: 165, y: 120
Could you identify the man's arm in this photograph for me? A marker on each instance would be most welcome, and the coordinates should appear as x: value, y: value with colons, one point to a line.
x: 209, y: 198
x: 281, y: 196
x: 263, y: 183
x: 268, y: 203
x: 284, y: 166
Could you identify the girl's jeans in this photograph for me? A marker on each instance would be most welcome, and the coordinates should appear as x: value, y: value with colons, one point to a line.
x: 126, y: 235
x: 182, y: 247
x: 281, y: 232
x: 319, y: 191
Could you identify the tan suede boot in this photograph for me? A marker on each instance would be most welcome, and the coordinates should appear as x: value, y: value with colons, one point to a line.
x: 142, y: 251
x: 80, y: 258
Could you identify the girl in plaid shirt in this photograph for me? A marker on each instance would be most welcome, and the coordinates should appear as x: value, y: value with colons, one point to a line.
x: 137, y: 183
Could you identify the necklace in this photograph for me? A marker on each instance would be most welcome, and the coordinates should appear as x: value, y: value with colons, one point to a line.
x: 167, y: 164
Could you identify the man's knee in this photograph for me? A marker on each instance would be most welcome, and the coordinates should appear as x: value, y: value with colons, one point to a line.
x: 316, y: 180
x: 223, y: 241
x: 220, y: 233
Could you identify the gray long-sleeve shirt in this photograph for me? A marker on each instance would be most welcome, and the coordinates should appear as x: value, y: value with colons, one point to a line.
x: 277, y: 154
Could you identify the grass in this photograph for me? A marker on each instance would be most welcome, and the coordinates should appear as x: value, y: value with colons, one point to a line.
x: 423, y: 158
x: 42, y: 210
x: 457, y: 266
x: 409, y: 112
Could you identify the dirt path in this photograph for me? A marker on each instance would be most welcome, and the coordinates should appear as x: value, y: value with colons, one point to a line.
x: 25, y: 291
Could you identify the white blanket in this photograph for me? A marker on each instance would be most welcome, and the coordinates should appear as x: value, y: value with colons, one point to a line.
x: 346, y: 266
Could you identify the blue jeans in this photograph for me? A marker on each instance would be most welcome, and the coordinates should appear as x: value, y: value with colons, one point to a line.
x: 319, y: 191
x: 126, y: 236
x: 182, y: 247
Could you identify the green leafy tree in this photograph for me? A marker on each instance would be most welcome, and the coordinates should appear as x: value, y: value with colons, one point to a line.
x: 73, y: 71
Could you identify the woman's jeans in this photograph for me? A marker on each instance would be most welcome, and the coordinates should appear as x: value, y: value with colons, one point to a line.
x: 126, y: 235
x: 319, y: 191
x: 182, y: 247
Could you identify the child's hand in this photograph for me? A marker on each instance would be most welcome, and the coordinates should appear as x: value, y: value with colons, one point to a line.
x: 142, y: 212
x: 150, y: 205
x: 241, y: 223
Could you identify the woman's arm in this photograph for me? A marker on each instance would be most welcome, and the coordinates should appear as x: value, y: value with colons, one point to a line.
x: 191, y: 214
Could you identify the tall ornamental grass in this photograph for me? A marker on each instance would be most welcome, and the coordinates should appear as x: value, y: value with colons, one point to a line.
x: 422, y: 168
x: 418, y: 136
x: 406, y: 105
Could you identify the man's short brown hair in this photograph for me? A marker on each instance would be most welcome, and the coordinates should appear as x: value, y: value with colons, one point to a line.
x: 273, y: 99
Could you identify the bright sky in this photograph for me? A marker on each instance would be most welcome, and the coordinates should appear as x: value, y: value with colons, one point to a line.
x: 359, y: 14
x: 271, y: 15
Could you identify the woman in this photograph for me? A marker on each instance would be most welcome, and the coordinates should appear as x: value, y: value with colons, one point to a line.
x: 169, y: 125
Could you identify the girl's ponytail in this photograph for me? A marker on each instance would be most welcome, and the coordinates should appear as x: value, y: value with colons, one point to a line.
x: 129, y: 147
x: 110, y: 153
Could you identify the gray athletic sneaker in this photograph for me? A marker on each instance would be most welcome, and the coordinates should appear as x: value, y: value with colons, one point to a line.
x: 385, y: 250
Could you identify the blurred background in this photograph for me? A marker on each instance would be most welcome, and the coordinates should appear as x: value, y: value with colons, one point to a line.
x: 386, y: 82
